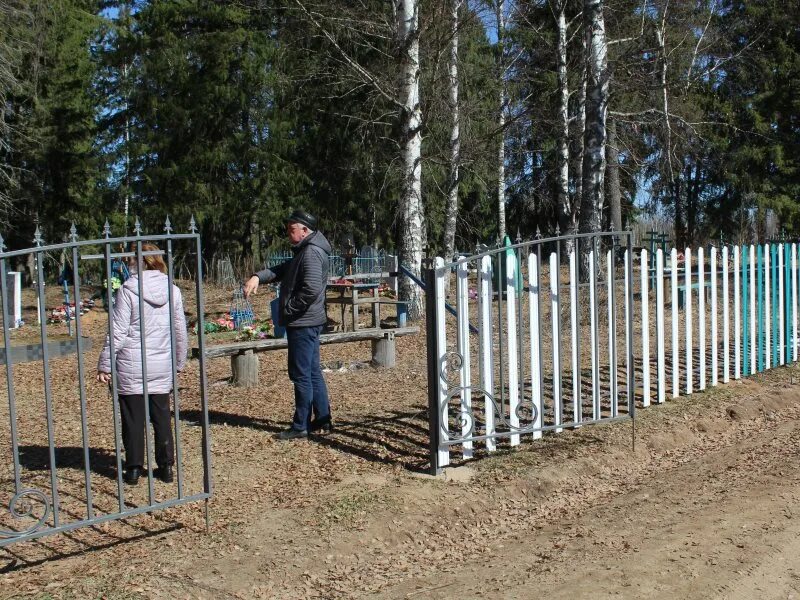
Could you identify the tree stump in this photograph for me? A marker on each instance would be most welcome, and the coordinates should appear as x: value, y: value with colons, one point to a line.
x: 383, y: 351
x: 244, y: 369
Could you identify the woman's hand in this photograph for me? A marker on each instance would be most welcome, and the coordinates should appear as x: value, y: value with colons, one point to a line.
x: 103, y: 377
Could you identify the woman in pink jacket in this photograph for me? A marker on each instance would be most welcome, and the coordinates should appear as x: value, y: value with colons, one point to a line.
x: 158, y: 332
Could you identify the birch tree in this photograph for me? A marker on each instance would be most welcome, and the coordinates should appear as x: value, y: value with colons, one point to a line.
x: 411, y: 209
x: 500, y: 21
x: 451, y: 215
x: 567, y: 210
x: 594, y: 153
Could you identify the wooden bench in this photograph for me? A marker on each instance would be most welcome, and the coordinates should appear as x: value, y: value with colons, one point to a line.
x: 244, y: 358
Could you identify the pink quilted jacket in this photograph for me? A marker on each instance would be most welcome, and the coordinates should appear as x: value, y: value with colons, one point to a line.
x: 125, y: 319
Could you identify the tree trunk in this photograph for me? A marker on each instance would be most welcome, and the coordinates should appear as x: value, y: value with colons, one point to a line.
x: 451, y: 217
x: 594, y: 145
x: 577, y: 139
x: 501, y: 121
x: 411, y: 217
x: 566, y: 213
x: 612, y: 177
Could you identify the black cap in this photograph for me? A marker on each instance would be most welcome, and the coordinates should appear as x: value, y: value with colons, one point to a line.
x: 302, y: 217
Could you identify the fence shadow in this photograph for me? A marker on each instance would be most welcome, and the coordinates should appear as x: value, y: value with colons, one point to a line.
x: 392, y: 438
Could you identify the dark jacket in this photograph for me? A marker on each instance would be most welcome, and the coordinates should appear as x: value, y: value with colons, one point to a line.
x: 303, y: 281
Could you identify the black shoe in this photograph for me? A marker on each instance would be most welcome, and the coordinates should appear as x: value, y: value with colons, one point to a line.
x: 293, y: 434
x: 323, y: 425
x: 131, y: 475
x: 165, y: 474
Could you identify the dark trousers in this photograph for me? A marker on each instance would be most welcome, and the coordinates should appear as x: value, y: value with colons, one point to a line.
x: 132, y: 409
x: 310, y: 392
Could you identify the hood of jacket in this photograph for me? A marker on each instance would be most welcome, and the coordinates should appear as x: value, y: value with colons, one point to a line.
x: 313, y: 239
x: 154, y: 287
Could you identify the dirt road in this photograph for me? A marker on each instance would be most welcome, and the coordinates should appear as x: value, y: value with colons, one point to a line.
x: 706, y: 507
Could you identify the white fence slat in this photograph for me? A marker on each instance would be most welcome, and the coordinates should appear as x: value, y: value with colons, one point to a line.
x: 594, y: 333
x: 660, y: 332
x: 534, y: 293
x: 737, y: 318
x: 781, y: 332
x: 714, y: 320
x: 794, y: 302
x: 485, y: 342
x: 687, y: 304
x: 441, y: 336
x: 575, y: 325
x: 673, y: 266
x: 612, y: 335
x: 465, y: 375
x: 645, y: 331
x: 555, y: 310
x: 701, y: 304
x: 726, y: 319
x: 767, y: 311
x: 511, y: 338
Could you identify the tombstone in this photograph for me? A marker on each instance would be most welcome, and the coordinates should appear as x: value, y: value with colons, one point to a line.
x: 369, y: 262
x: 13, y: 298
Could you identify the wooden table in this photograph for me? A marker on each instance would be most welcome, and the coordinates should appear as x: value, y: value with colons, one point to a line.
x: 354, y: 295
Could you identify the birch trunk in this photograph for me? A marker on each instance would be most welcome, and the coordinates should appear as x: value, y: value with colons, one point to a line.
x: 577, y: 139
x: 594, y: 144
x: 566, y: 214
x: 673, y: 185
x: 451, y: 215
x: 501, y: 121
x: 612, y: 177
x: 411, y: 218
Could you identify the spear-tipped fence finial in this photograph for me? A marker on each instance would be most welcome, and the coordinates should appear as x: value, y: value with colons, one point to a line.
x: 538, y: 235
x: 37, y: 236
x: 167, y: 226
x: 192, y: 225
x: 107, y: 230
x: 137, y: 227
x: 73, y: 232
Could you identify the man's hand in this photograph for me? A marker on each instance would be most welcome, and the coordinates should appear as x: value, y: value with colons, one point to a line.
x: 103, y: 377
x: 251, y: 286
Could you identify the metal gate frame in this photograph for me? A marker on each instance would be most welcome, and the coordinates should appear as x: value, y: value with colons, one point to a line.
x: 443, y: 364
x: 21, y: 503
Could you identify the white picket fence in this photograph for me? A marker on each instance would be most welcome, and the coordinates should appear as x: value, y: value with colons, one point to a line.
x: 538, y: 346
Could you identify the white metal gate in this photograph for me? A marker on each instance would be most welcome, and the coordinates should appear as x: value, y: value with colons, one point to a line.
x: 539, y: 338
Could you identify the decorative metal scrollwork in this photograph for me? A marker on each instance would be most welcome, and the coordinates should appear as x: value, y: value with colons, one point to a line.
x: 462, y: 418
x: 451, y: 364
x: 21, y: 507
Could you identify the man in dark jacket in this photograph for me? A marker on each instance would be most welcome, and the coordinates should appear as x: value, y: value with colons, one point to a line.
x: 303, y: 281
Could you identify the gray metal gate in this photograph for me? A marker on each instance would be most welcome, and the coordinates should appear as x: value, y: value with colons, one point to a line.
x: 542, y: 340
x: 50, y: 486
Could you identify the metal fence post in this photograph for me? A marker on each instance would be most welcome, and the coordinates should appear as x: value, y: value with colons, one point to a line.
x: 434, y: 414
